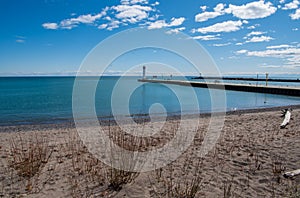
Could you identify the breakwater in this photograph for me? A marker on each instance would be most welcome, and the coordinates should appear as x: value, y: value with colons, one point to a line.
x: 292, y: 91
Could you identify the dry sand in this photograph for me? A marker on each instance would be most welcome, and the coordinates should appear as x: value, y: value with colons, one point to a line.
x: 248, y: 161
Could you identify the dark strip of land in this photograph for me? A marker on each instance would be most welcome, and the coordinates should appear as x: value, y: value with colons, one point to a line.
x: 291, y: 91
x: 247, y: 79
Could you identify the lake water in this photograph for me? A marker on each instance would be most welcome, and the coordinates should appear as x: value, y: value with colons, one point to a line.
x: 26, y: 100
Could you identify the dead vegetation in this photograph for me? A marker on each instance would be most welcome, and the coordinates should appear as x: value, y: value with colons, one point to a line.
x: 178, y: 183
x: 29, y: 156
x: 242, y: 164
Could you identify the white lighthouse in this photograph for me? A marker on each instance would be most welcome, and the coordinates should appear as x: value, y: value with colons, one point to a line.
x: 144, y: 72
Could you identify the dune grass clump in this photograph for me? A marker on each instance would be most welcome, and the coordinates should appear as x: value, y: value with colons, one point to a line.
x: 29, y: 156
x: 178, y: 182
x: 85, y: 175
x: 117, y: 177
x: 90, y: 176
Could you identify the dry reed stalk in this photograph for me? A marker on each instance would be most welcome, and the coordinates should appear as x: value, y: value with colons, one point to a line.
x: 28, y: 157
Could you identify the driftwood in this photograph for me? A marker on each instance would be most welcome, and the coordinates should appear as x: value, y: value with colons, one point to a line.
x: 287, y: 116
x: 292, y: 173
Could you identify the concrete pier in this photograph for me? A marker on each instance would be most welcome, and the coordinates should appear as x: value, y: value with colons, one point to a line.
x: 291, y: 91
x: 248, y: 79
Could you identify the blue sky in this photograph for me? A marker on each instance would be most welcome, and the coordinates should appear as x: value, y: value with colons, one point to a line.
x: 53, y: 36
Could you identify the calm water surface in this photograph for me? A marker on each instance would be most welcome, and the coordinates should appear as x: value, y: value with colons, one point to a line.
x: 26, y: 100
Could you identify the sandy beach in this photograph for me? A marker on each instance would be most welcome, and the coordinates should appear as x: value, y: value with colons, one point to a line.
x: 248, y: 160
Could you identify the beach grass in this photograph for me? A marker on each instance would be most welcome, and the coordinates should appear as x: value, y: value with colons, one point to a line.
x: 248, y: 160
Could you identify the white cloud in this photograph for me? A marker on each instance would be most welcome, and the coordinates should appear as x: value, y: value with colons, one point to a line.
x: 256, y: 39
x: 206, y: 15
x: 73, y: 22
x: 129, y: 11
x: 255, y: 33
x: 113, y: 25
x: 85, y: 19
x: 290, y: 55
x: 176, y: 21
x: 207, y: 37
x: 256, y: 36
x: 221, y: 44
x: 203, y: 8
x: 243, y: 51
x: 175, y: 30
x: 108, y: 18
x: 162, y: 23
x: 253, y: 10
x: 127, y: 2
x: 139, y: 1
x: 295, y: 29
x: 245, y: 21
x: 219, y: 7
x: 193, y: 31
x: 154, y: 17
x: 155, y: 4
x: 279, y: 53
x: 157, y: 24
x: 227, y: 26
x: 218, y: 11
x: 102, y: 26
x: 292, y: 5
x: 253, y: 26
x: 278, y: 46
x: 50, y: 26
x: 270, y: 66
x: 132, y: 13
x: 296, y: 15
x: 20, y: 41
